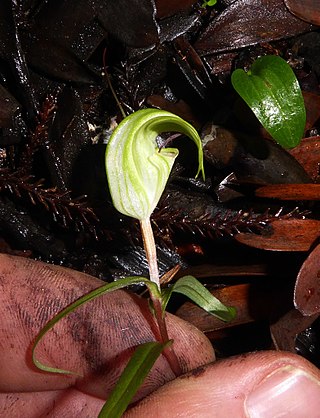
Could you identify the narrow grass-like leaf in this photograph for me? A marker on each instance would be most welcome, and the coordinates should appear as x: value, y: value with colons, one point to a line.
x: 189, y: 286
x: 137, y: 170
x: 132, y: 377
x: 110, y: 287
x: 272, y: 91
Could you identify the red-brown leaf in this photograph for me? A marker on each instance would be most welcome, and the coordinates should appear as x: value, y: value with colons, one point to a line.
x: 253, y: 303
x: 307, y: 288
x: 308, y: 155
x: 287, y: 235
x: 308, y: 10
x: 290, y: 191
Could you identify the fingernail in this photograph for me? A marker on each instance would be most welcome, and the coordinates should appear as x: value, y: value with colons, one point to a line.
x: 287, y: 392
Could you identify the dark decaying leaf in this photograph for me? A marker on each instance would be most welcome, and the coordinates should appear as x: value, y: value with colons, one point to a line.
x: 133, y: 22
x: 286, y: 235
x: 7, y: 29
x: 9, y: 108
x: 68, y: 140
x: 132, y: 260
x: 191, y: 67
x: 307, y: 287
x: 248, y: 22
x: 308, y: 10
x: 308, y: 47
x: 167, y: 8
x: 61, y: 37
x: 173, y: 27
x: 137, y: 85
x: 251, y: 158
x: 11, y: 49
x: 190, y: 55
x: 20, y: 228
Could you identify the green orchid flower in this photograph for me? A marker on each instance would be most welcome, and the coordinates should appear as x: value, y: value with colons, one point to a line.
x: 137, y: 170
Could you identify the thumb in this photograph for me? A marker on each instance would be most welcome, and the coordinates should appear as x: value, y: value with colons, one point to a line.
x: 260, y: 385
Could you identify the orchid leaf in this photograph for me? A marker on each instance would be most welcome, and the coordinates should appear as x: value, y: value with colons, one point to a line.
x: 189, y: 286
x: 131, y: 378
x: 110, y: 287
x: 137, y: 170
x: 272, y: 91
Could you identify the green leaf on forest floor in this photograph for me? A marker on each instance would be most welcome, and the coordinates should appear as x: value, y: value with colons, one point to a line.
x: 131, y: 378
x: 271, y: 89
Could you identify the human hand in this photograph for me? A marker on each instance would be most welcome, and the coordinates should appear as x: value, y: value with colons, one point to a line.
x: 96, y: 341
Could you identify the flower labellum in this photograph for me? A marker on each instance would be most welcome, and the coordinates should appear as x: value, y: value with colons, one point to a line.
x: 137, y: 170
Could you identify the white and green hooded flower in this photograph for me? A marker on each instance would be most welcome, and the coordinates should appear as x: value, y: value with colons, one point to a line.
x: 137, y: 170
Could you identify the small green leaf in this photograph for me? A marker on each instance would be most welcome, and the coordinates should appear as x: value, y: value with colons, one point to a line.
x: 189, y: 286
x: 110, y: 287
x: 272, y: 91
x: 209, y: 3
x: 137, y: 170
x: 132, y: 377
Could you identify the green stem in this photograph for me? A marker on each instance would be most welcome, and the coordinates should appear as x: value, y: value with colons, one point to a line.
x: 151, y: 254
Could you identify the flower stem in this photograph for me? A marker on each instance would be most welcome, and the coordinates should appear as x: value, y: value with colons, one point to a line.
x: 150, y: 249
x: 151, y: 254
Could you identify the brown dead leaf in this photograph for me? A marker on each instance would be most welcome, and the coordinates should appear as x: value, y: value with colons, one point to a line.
x: 290, y: 191
x: 308, y: 155
x: 308, y: 10
x: 252, y: 302
x: 307, y: 287
x: 286, y: 235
